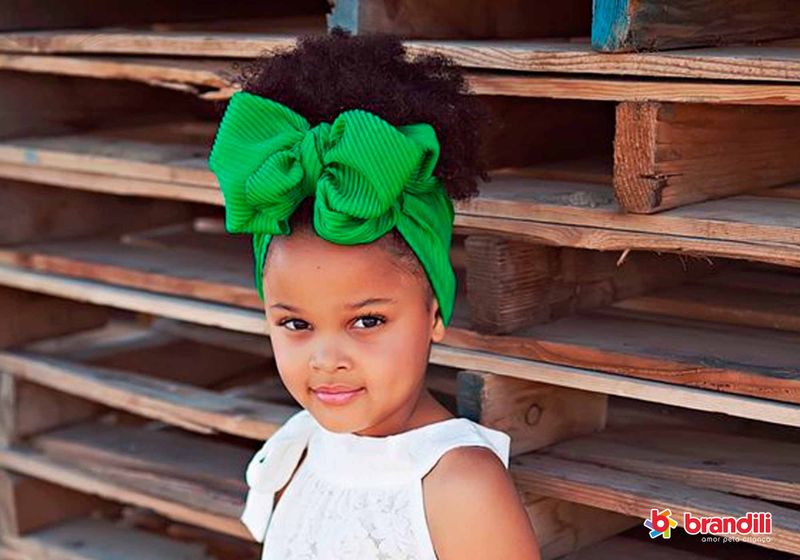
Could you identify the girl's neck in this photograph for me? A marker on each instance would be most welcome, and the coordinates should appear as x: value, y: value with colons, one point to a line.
x: 427, y: 411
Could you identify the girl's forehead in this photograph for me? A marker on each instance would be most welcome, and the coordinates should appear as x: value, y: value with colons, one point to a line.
x: 297, y: 266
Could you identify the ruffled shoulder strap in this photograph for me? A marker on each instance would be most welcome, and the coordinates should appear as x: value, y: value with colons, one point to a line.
x: 270, y: 469
x: 460, y: 432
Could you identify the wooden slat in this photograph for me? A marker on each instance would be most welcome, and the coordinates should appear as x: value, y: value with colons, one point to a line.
x: 639, y: 344
x: 181, y: 477
x: 210, y: 79
x: 729, y: 63
x: 174, y: 152
x: 18, y: 14
x: 220, y: 276
x: 734, y: 226
x: 251, y: 321
x: 668, y: 155
x: 722, y: 303
x: 635, y: 25
x: 747, y: 361
x: 634, y: 494
x: 624, y: 547
x: 181, y: 405
x: 743, y: 219
x: 97, y: 539
x: 479, y: 19
x: 726, y: 462
x: 622, y: 345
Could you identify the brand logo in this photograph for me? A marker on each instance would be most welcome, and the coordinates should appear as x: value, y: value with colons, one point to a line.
x: 755, y: 526
x: 660, y: 523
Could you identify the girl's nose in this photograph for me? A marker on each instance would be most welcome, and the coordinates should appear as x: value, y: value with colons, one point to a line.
x: 328, y: 356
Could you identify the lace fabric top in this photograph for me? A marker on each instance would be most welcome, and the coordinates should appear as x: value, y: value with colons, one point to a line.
x: 353, y: 497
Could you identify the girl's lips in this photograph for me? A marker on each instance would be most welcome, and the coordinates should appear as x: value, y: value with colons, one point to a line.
x: 339, y: 397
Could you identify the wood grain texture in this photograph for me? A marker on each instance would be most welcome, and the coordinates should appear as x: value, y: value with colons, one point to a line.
x: 97, y: 539
x: 635, y: 494
x: 182, y: 405
x: 479, y: 19
x: 726, y: 462
x: 637, y: 25
x: 533, y: 414
x: 769, y: 63
x: 251, y: 321
x: 668, y: 155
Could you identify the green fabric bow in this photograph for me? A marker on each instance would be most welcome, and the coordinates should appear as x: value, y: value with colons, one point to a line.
x: 366, y: 176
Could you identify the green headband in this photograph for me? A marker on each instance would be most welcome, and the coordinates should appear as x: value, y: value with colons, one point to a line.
x: 366, y: 176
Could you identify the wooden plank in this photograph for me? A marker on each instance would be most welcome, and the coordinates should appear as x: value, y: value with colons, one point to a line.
x: 250, y: 321
x: 110, y: 184
x: 34, y: 212
x: 177, y: 404
x: 669, y: 155
x: 625, y: 547
x: 183, y: 477
x: 513, y: 284
x: 21, y: 496
x: 780, y: 63
x: 28, y: 409
x: 443, y: 19
x: 188, y: 271
x: 593, y: 380
x: 173, y: 307
x: 73, y: 476
x: 740, y: 221
x: 173, y: 152
x: 746, y: 361
x: 209, y: 79
x: 727, y: 227
x: 727, y: 462
x: 97, y: 539
x: 636, y: 495
x: 628, y: 25
x: 30, y: 316
x: 624, y: 346
x: 630, y: 89
x: 563, y: 528
x: 724, y: 304
x: 533, y: 414
x: 18, y: 14
x: 508, y: 281
x: 565, y: 340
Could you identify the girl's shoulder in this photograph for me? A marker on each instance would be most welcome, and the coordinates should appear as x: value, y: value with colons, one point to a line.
x: 461, y: 437
x: 472, y: 503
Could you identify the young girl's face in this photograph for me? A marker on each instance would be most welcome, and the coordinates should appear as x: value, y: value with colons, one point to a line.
x: 349, y: 316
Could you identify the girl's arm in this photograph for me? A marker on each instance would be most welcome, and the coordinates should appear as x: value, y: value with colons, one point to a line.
x: 474, y: 511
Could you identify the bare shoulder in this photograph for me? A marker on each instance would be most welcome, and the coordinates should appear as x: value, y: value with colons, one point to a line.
x: 474, y: 511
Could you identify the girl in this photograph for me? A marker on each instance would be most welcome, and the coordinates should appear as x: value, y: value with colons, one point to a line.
x: 341, y: 156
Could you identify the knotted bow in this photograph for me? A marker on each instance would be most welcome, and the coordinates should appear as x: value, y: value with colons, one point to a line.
x: 271, y: 468
x: 366, y: 176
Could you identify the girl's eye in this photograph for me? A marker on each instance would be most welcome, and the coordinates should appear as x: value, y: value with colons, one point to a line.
x: 371, y: 321
x: 368, y: 322
x: 303, y: 324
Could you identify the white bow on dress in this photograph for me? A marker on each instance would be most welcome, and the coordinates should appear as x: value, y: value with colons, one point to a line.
x: 270, y: 469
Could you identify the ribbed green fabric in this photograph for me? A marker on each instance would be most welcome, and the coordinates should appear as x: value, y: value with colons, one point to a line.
x: 366, y: 176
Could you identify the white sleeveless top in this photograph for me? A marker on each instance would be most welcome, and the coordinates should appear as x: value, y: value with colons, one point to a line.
x: 353, y: 497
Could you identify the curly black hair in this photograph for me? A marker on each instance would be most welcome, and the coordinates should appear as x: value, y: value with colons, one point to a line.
x: 324, y: 75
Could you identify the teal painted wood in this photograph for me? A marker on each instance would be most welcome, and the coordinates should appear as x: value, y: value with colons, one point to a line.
x: 610, y: 25
x: 345, y: 15
x: 646, y: 25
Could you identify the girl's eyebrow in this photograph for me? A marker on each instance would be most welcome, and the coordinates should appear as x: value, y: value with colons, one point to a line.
x: 356, y: 305
x: 370, y: 301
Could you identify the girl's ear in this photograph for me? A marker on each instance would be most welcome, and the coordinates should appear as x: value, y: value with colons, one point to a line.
x: 438, y: 328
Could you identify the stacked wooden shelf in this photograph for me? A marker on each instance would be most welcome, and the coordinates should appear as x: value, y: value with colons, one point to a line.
x: 629, y: 279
